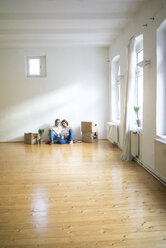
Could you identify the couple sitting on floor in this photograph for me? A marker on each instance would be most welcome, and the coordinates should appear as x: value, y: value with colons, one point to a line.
x: 62, y: 134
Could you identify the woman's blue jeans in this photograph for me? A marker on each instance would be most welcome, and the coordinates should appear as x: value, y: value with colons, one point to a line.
x: 68, y: 139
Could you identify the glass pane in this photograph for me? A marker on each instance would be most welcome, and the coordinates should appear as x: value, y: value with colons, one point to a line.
x: 34, y: 67
x: 139, y: 56
x: 118, y: 69
x: 118, y: 100
x: 140, y: 94
x: 115, y: 90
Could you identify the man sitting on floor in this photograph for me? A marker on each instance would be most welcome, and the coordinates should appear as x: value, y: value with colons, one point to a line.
x: 55, y: 132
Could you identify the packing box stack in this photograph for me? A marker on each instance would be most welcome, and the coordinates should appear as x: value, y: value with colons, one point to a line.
x: 31, y: 138
x: 89, y: 131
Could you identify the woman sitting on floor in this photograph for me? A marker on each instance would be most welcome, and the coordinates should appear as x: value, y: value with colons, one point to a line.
x: 66, y: 134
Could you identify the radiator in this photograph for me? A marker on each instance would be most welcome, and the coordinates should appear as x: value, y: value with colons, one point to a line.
x: 160, y: 157
x: 134, y: 138
x: 113, y: 132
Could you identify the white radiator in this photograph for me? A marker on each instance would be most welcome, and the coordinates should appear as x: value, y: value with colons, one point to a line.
x: 113, y: 132
x: 160, y: 157
x: 134, y: 138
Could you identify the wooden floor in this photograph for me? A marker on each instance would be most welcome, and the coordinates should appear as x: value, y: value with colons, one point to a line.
x: 78, y: 196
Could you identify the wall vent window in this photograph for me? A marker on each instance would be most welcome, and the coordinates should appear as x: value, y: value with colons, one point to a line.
x: 36, y: 66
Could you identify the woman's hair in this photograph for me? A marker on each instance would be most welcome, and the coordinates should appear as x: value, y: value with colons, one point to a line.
x: 65, y: 122
x: 56, y: 121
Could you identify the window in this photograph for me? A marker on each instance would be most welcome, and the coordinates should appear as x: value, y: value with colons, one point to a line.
x: 115, y: 109
x: 138, y: 95
x: 161, y: 81
x: 36, y: 66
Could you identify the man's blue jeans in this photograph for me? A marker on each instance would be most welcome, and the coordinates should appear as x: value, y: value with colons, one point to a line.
x: 68, y: 139
x: 54, y: 137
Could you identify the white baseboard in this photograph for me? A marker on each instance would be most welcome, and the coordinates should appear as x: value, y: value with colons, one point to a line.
x: 152, y: 172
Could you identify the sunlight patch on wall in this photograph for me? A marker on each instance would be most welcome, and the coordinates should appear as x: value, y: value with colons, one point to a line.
x: 70, y: 102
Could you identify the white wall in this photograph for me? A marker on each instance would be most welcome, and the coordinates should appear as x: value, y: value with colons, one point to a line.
x: 76, y: 88
x: 156, y: 9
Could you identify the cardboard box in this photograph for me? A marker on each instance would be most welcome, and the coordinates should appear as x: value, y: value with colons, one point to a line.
x: 88, y: 126
x: 89, y: 137
x: 31, y: 138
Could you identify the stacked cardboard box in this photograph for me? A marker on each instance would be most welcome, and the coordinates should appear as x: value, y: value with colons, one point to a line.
x: 31, y: 138
x: 89, y: 131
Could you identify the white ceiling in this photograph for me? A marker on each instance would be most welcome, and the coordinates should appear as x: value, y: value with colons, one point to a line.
x: 64, y: 22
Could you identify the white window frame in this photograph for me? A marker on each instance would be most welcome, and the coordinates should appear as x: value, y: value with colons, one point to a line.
x: 42, y: 64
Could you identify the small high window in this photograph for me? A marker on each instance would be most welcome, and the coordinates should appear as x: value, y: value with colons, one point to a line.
x: 36, y: 66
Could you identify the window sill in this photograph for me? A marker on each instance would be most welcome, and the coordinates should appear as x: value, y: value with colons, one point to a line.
x: 161, y: 139
x: 30, y: 76
x: 135, y: 128
x: 115, y: 123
